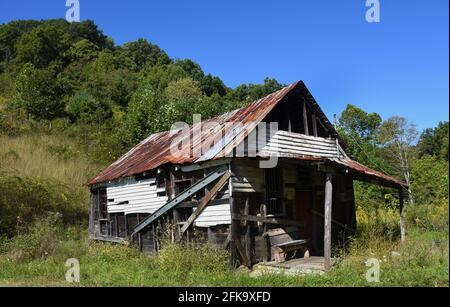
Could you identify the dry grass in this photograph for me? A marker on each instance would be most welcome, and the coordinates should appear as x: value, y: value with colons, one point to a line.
x: 45, y: 156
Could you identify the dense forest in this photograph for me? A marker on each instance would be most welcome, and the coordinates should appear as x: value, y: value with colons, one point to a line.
x: 74, y: 78
x: 72, y: 101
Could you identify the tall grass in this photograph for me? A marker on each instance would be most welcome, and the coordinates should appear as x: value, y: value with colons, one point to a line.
x: 45, y: 156
x: 41, y: 173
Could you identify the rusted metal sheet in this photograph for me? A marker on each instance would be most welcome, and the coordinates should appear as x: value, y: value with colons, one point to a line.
x: 369, y: 173
x: 223, y: 133
x: 155, y: 150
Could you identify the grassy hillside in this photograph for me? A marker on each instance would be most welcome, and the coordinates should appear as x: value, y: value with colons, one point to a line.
x: 42, y: 174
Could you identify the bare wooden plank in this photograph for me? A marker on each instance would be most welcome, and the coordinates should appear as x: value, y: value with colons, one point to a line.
x: 305, y: 118
x: 248, y: 237
x: 327, y: 223
x: 217, y: 187
x: 314, y: 124
x: 267, y: 220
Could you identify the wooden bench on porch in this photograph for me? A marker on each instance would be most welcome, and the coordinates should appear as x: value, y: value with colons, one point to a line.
x: 284, y: 241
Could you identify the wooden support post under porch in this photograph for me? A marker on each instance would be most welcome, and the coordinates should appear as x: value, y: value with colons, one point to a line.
x: 327, y: 222
x: 402, y: 221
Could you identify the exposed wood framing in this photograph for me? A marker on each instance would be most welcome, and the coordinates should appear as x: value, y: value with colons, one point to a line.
x: 179, y: 198
x: 248, y: 235
x: 208, y: 197
x: 267, y: 220
x: 305, y: 118
x: 314, y: 124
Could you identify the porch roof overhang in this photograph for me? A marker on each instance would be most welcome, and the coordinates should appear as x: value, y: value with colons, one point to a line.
x: 363, y: 173
x: 350, y: 167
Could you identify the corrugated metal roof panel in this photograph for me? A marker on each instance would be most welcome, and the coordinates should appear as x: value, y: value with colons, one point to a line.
x: 156, y: 149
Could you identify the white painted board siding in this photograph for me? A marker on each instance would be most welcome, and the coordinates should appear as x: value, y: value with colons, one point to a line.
x: 141, y: 196
x: 214, y: 215
x: 285, y: 143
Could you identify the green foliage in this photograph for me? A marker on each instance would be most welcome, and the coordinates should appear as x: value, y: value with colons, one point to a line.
x: 24, y: 199
x: 429, y: 179
x: 142, y: 53
x: 42, y: 46
x: 178, y: 260
x: 431, y: 217
x: 85, y: 108
x: 213, y: 85
x: 192, y: 69
x: 36, y: 241
x: 183, y: 100
x: 83, y: 51
x: 246, y: 93
x: 359, y: 130
x: 434, y: 142
x: 143, y: 114
x: 39, y: 93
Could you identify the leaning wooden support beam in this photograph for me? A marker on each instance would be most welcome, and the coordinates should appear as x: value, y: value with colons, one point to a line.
x: 213, y: 176
x: 328, y: 219
x: 204, y: 203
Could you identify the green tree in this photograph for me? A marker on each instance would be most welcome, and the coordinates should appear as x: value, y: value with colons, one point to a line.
x: 193, y: 69
x: 142, y: 53
x: 429, y: 179
x: 183, y: 97
x: 42, y: 46
x: 434, y: 141
x: 38, y: 92
x: 398, y: 136
x: 359, y: 130
x: 144, y: 115
x: 84, y: 108
x: 83, y: 51
x: 213, y: 85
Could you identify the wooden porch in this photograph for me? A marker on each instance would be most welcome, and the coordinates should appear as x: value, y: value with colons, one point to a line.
x: 298, y: 266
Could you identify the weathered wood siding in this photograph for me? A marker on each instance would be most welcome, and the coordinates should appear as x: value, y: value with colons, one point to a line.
x: 247, y: 177
x: 214, y: 215
x: 133, y: 196
x: 288, y: 144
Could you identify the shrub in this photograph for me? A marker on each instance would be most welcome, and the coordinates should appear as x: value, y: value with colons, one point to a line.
x: 39, y: 241
x: 23, y: 199
x: 433, y: 216
x: 174, y: 258
x: 87, y: 109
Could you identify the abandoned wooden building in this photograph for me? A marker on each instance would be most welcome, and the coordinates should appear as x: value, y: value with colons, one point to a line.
x: 290, y: 194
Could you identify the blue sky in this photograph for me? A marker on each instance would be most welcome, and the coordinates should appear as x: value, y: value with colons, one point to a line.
x: 396, y: 67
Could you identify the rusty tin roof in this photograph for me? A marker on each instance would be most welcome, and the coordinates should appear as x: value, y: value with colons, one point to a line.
x: 155, y: 150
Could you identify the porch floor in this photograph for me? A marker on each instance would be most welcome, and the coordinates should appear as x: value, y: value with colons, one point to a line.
x: 299, y: 266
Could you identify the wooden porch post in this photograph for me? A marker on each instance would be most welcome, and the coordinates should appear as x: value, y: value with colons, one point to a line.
x: 402, y: 221
x: 327, y: 222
